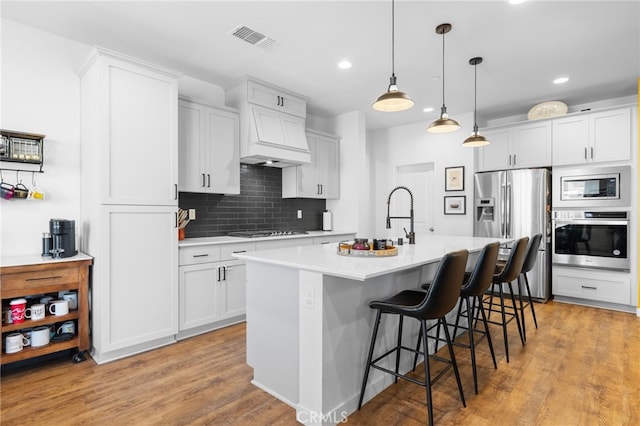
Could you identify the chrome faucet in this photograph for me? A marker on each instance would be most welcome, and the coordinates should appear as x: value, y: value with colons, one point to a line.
x: 411, y: 235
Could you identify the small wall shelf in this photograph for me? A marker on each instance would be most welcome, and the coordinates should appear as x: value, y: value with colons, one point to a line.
x: 23, y: 148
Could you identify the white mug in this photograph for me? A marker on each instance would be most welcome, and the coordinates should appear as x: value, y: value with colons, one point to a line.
x: 14, y: 343
x: 40, y: 336
x: 72, y: 299
x: 67, y: 327
x: 59, y: 307
x: 36, y: 312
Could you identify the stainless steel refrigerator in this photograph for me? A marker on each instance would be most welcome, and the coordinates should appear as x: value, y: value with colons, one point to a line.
x: 515, y: 204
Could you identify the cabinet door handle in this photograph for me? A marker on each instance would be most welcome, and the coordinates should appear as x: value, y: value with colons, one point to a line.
x: 592, y: 153
x: 224, y: 272
x: 203, y: 180
x: 282, y: 101
x: 589, y: 287
x: 509, y: 159
x: 514, y: 159
x: 201, y: 255
x: 218, y: 269
x: 321, y: 189
x: 176, y: 217
x: 44, y: 278
x: 175, y: 187
x: 208, y: 180
x: 585, y: 152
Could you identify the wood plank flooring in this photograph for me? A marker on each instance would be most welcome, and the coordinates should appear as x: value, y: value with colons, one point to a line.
x: 581, y: 367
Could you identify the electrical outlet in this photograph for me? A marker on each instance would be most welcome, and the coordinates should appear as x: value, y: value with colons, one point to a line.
x: 192, y: 214
x: 299, y: 214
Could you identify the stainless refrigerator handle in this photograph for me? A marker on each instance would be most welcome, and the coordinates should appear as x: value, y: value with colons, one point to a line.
x: 503, y: 207
x: 508, y: 208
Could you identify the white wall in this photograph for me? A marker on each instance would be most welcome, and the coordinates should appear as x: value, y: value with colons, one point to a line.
x: 40, y: 94
x: 412, y: 145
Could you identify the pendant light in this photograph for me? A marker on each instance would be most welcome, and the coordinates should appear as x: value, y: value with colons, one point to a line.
x: 476, y: 139
x: 393, y: 99
x: 444, y: 124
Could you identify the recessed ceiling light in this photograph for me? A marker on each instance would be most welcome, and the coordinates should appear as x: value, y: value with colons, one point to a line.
x: 428, y: 109
x: 560, y: 80
x: 344, y: 64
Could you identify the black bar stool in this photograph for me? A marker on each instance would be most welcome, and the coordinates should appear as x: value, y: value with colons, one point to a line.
x: 472, y: 293
x: 433, y: 305
x: 527, y: 266
x: 509, y: 273
x: 529, y: 263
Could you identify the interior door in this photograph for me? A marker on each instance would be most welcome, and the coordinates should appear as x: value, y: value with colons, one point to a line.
x: 419, y: 179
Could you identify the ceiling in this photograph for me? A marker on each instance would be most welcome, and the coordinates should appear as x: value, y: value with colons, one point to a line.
x: 594, y: 43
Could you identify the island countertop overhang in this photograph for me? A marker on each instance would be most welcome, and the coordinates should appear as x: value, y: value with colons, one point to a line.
x: 325, y: 259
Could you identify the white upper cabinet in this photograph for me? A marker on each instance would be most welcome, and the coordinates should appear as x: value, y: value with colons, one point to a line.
x: 279, y: 100
x: 592, y: 137
x: 516, y: 147
x: 209, y: 155
x: 321, y: 178
x: 134, y: 131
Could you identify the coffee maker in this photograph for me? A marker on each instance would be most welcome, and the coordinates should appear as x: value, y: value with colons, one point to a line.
x: 63, y: 235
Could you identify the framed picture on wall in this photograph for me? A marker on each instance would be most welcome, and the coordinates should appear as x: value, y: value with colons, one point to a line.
x: 454, y: 178
x: 455, y: 205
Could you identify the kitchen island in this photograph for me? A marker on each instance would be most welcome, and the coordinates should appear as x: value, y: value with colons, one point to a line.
x: 309, y: 324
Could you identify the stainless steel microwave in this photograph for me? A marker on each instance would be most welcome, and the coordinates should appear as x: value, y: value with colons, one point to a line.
x: 592, y: 187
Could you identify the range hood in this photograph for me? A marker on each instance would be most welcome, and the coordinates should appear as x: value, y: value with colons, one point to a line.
x: 275, y: 139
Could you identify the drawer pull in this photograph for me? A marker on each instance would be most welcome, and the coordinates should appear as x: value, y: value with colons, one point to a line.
x: 44, y: 278
x: 201, y: 255
x: 589, y: 287
x: 240, y: 251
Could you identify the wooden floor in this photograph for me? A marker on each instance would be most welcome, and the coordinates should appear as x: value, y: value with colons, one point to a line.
x: 581, y: 367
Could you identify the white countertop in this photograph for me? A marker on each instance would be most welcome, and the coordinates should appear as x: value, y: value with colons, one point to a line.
x: 189, y: 242
x: 325, y: 259
x: 36, y: 259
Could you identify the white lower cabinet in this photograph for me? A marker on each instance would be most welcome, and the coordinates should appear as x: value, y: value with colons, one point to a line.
x: 592, y: 284
x: 213, y: 284
x: 212, y: 287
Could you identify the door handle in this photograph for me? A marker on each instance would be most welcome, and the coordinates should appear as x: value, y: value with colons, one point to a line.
x: 514, y: 159
x: 224, y: 272
x: 509, y: 159
x: 585, y: 152
x: 203, y: 180
x: 175, y: 188
x: 592, y: 153
x: 208, y: 180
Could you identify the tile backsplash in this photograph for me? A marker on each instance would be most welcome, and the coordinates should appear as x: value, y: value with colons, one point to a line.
x: 258, y: 206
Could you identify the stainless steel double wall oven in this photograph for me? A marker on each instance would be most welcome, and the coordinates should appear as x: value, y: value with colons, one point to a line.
x: 591, y: 218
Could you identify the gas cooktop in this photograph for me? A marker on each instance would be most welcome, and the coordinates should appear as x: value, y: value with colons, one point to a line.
x: 257, y: 233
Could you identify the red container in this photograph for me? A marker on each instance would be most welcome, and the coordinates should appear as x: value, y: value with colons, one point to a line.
x: 18, y: 307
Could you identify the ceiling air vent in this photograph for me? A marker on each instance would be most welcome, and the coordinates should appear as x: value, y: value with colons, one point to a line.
x: 253, y: 37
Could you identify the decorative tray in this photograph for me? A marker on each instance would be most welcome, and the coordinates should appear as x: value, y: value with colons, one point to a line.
x: 346, y: 249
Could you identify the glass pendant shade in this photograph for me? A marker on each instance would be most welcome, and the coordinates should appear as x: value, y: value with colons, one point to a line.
x: 444, y: 124
x: 393, y: 99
